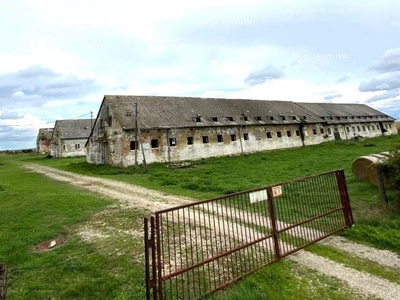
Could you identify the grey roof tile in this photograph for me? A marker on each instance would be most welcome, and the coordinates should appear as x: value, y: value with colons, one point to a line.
x: 71, y: 129
x: 158, y: 111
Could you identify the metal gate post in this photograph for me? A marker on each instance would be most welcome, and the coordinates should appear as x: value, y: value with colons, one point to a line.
x: 273, y: 222
x: 149, y: 243
x: 158, y: 246
x: 344, y: 197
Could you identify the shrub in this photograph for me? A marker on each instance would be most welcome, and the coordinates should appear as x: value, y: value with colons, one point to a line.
x: 391, y: 168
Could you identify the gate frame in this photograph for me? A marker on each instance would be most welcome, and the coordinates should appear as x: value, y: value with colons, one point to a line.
x: 154, y: 281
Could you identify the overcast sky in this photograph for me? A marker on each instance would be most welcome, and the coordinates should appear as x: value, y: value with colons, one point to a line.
x: 59, y: 58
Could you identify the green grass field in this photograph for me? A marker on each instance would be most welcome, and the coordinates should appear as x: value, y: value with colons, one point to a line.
x: 35, y: 209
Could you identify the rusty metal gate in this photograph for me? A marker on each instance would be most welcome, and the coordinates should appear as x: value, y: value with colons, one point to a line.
x: 196, y: 249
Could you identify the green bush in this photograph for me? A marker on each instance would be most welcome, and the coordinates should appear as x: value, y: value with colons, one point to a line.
x: 391, y: 168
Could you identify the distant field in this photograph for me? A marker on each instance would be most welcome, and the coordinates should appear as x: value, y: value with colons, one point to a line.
x: 35, y: 208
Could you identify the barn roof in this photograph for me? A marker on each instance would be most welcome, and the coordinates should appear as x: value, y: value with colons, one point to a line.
x: 345, y: 113
x: 159, y: 112
x: 72, y: 129
x: 44, y: 134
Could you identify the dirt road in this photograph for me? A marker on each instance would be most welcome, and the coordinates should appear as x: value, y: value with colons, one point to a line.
x: 139, y: 197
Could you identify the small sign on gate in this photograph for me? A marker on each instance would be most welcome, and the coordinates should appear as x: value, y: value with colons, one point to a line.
x: 277, y: 191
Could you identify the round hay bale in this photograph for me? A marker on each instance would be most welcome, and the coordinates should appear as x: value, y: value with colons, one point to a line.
x: 360, y: 166
x: 374, y: 180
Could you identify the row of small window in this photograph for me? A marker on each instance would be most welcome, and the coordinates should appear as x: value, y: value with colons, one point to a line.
x: 353, y: 128
x: 198, y: 118
x: 354, y: 117
x: 190, y: 140
x: 220, y: 139
x: 77, y: 147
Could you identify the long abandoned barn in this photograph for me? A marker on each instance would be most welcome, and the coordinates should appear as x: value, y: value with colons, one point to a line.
x: 169, y: 129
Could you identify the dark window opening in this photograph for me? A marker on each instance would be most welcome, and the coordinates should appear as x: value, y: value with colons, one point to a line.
x: 314, y: 131
x: 246, y: 136
x: 110, y: 121
x: 329, y: 131
x: 154, y: 143
x: 215, y: 119
x: 220, y: 139
x: 172, y: 141
x: 337, y: 118
x: 369, y: 128
x: 245, y: 118
x: 205, y: 139
x: 271, y: 118
x: 258, y: 118
x: 233, y: 137
x: 373, y: 127
x: 377, y: 127
x: 197, y: 119
x: 353, y: 128
x: 363, y: 128
x: 289, y: 134
x: 77, y: 146
x: 294, y: 118
x: 190, y: 140
x: 134, y: 145
x: 297, y: 132
x: 358, y: 128
x: 321, y: 130
x: 279, y: 134
x: 390, y: 125
x: 269, y: 135
x: 230, y: 119
x: 347, y: 129
x: 282, y: 118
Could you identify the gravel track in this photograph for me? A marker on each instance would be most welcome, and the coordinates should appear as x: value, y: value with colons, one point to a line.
x: 139, y: 197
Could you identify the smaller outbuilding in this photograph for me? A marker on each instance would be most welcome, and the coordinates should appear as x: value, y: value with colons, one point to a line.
x: 43, y: 140
x: 69, y: 137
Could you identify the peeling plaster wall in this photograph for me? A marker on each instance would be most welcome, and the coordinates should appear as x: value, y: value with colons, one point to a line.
x: 67, y: 148
x: 43, y: 146
x: 233, y: 143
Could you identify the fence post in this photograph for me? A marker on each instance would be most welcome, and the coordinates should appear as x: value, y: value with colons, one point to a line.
x: 3, y: 273
x: 149, y: 243
x: 273, y: 222
x: 344, y: 197
x: 381, y: 185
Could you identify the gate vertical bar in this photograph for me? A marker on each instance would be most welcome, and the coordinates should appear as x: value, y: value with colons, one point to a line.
x: 149, y: 243
x: 344, y: 197
x: 158, y: 247
x: 273, y: 222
